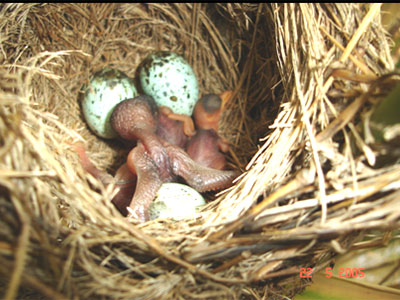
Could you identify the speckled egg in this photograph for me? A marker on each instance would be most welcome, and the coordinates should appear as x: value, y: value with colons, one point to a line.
x: 170, y: 80
x: 105, y: 90
x: 177, y: 201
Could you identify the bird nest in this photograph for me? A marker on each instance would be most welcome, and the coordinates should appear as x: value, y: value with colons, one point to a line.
x: 304, y: 76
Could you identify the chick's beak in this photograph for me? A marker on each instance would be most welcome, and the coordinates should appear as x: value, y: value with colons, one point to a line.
x: 225, y: 96
x: 206, y: 119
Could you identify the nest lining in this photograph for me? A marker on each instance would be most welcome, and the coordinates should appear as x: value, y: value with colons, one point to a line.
x: 304, y: 192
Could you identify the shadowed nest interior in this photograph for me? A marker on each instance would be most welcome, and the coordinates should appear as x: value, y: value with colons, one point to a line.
x: 304, y: 77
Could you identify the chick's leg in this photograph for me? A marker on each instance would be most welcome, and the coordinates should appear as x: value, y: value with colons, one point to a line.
x: 201, y: 178
x: 148, y: 182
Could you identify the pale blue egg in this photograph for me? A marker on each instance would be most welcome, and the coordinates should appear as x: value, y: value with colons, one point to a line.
x: 106, y: 89
x: 177, y: 201
x: 170, y: 80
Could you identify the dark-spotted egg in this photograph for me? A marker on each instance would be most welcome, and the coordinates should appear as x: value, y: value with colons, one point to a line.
x: 105, y: 90
x: 170, y: 80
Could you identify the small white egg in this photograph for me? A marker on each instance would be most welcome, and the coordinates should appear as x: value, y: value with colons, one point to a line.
x: 177, y: 201
x: 106, y: 89
x: 170, y: 80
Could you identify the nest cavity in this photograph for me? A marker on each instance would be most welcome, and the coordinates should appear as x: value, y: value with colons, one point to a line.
x: 304, y: 77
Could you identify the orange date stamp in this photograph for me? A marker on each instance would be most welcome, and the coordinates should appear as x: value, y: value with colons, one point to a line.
x: 342, y: 273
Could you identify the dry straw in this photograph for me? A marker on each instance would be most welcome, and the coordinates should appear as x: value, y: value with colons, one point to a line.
x: 303, y: 76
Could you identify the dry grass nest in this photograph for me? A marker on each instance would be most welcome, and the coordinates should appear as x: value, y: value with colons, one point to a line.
x: 304, y: 77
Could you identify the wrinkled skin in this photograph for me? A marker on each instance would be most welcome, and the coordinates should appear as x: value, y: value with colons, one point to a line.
x: 171, y: 131
x: 149, y: 181
x: 201, y: 178
x: 205, y: 148
x: 157, y: 158
x: 136, y: 119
